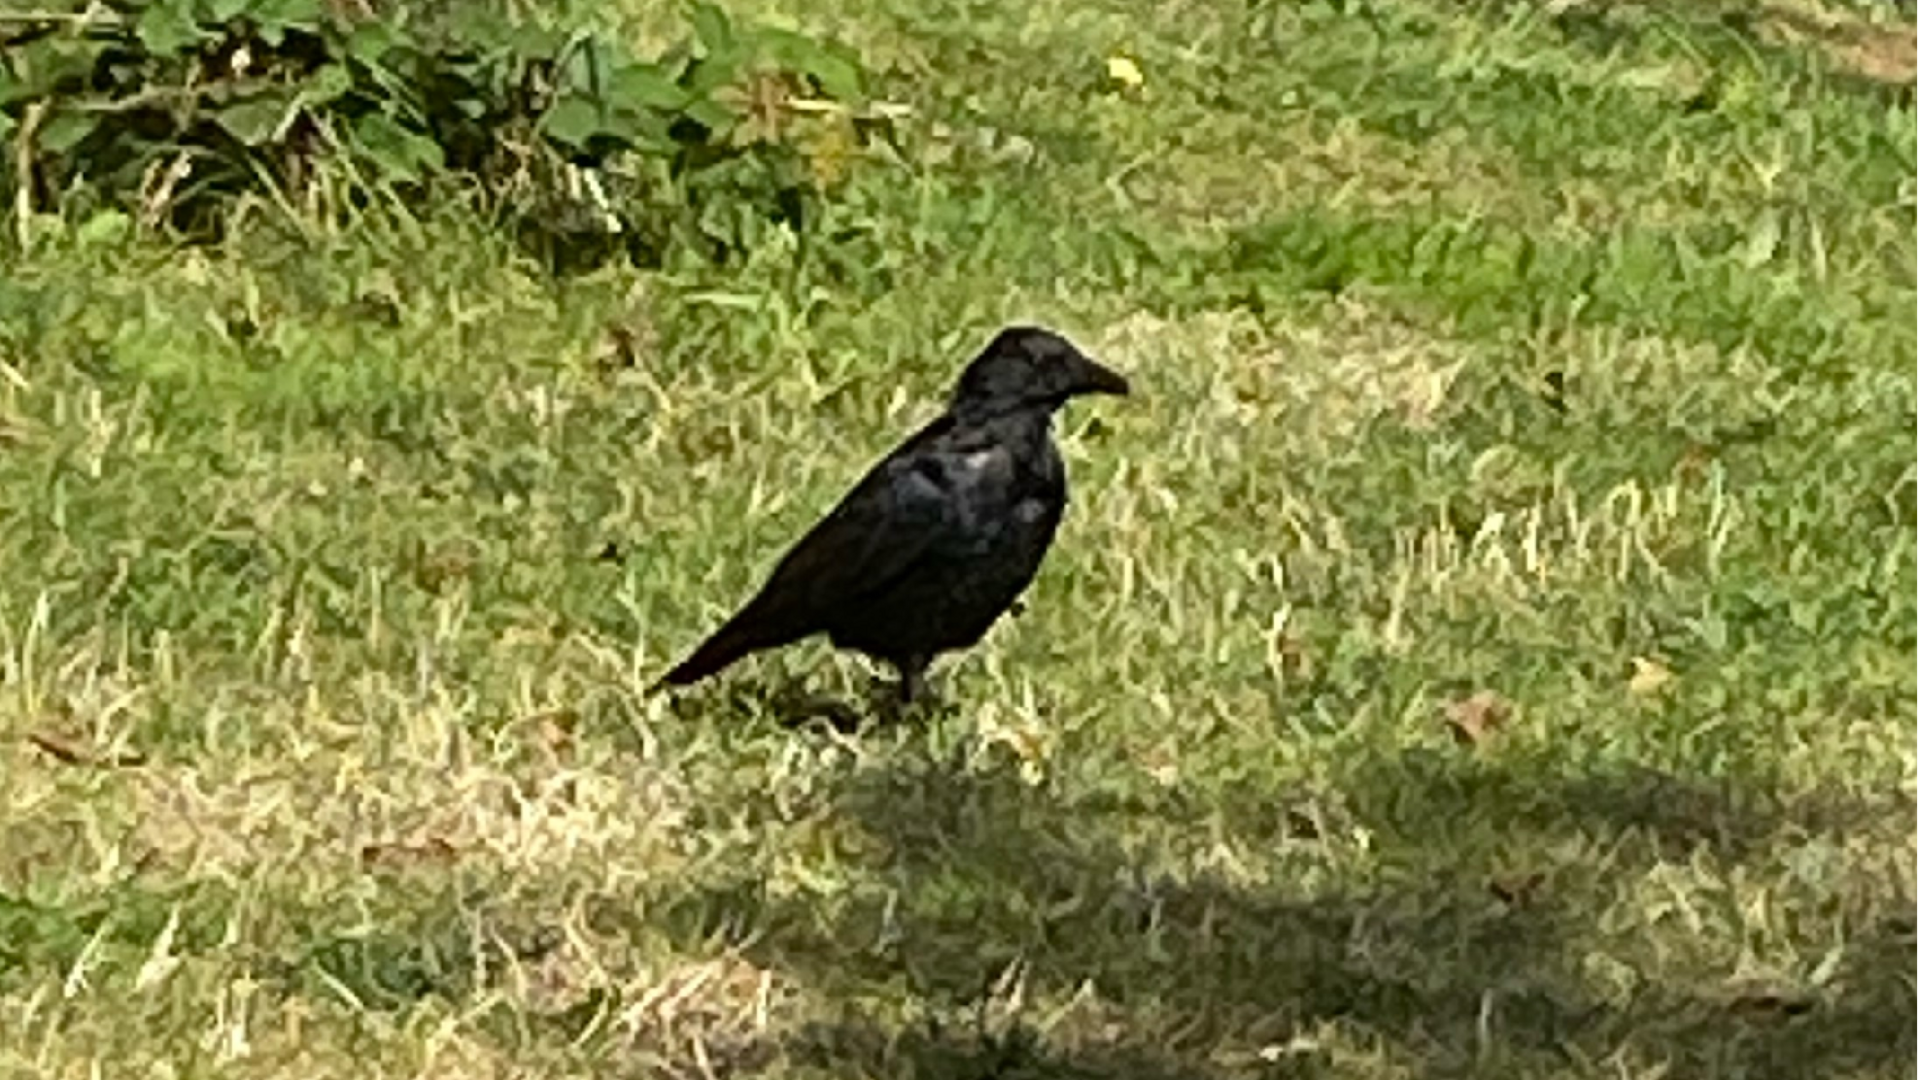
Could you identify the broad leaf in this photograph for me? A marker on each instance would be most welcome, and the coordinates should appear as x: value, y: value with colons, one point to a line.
x: 64, y: 130
x: 647, y: 86
x: 276, y: 17
x: 711, y: 27
x: 370, y: 42
x: 573, y: 121
x: 714, y: 71
x: 46, y: 64
x: 167, y: 29
x: 834, y: 67
x: 398, y: 152
x: 536, y: 42
x: 255, y: 120
x: 327, y: 85
x: 711, y: 115
x: 104, y: 228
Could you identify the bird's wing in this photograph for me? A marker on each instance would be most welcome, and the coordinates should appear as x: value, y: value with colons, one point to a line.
x: 875, y: 535
x: 922, y: 494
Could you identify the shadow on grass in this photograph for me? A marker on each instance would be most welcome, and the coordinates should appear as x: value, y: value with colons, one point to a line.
x: 984, y: 894
x: 794, y: 702
x: 857, y: 1048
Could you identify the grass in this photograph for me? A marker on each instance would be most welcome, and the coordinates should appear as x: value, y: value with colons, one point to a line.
x: 1484, y: 646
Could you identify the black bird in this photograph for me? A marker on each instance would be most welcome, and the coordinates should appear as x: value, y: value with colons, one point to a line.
x: 941, y: 537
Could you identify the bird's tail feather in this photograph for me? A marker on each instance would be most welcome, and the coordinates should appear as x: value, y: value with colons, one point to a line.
x: 713, y: 654
x: 742, y: 635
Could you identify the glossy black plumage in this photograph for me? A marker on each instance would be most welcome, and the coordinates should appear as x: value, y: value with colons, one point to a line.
x: 940, y: 537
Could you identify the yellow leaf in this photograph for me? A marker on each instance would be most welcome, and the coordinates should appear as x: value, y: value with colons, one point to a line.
x: 1124, y: 71
x: 1649, y: 677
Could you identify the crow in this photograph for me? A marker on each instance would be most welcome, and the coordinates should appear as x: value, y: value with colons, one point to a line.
x: 939, y: 538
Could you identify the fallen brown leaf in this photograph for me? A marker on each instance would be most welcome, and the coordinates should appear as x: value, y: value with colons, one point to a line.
x: 557, y: 729
x: 1761, y: 1001
x: 1883, y: 53
x: 71, y: 752
x: 1289, y: 653
x: 622, y: 347
x: 433, y: 849
x: 1162, y: 763
x: 1694, y: 462
x: 434, y: 569
x: 1516, y: 890
x: 1474, y: 719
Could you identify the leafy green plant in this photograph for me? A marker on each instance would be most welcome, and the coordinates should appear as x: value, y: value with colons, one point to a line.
x: 172, y: 108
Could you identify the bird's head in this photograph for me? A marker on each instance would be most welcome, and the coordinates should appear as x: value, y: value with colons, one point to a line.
x: 1025, y: 367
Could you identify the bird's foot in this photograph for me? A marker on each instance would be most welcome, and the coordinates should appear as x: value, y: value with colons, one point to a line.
x: 911, y: 694
x: 913, y: 686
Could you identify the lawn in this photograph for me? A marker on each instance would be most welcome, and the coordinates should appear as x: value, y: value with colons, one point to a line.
x: 1483, y: 645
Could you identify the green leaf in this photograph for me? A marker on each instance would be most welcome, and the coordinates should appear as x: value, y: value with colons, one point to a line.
x: 222, y: 11
x: 631, y: 127
x: 676, y: 60
x: 326, y: 85
x: 47, y: 63
x: 532, y: 42
x: 167, y: 29
x: 643, y: 127
x: 714, y: 71
x: 487, y: 31
x: 839, y: 76
x: 398, y: 152
x: 276, y: 17
x: 645, y: 86
x: 711, y: 27
x: 573, y: 121
x: 711, y: 115
x: 255, y: 120
x: 279, y: 14
x: 104, y: 228
x: 64, y: 131
x: 584, y: 69
x: 835, y: 67
x: 369, y: 42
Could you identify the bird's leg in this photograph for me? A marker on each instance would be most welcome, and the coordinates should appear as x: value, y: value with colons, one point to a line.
x: 913, y: 679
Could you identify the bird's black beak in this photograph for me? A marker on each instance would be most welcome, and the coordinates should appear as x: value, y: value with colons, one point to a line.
x: 1092, y: 378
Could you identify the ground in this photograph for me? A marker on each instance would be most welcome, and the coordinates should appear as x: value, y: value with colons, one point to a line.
x: 1484, y: 645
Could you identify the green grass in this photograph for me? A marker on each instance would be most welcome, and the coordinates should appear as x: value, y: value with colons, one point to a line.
x: 1563, y: 356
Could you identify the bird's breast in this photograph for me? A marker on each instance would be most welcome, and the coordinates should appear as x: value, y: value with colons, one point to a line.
x: 1029, y: 512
